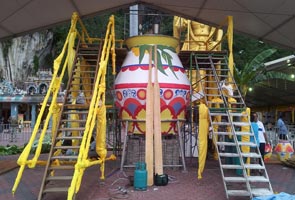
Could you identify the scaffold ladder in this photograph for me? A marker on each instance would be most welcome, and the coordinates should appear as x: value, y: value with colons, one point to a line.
x: 66, y: 141
x: 241, y: 164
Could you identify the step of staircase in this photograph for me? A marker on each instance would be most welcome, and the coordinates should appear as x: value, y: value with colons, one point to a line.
x: 238, y: 193
x: 59, y: 178
x: 62, y: 167
x: 231, y: 126
x: 57, y: 189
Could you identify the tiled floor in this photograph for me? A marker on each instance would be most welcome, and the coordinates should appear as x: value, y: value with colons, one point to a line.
x: 182, y: 186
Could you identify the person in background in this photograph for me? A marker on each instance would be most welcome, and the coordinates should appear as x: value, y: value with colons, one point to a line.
x: 261, y: 136
x: 255, y: 128
x: 68, y: 151
x: 283, y: 131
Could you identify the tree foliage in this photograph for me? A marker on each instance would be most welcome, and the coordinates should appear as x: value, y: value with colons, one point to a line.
x: 246, y: 48
x: 254, y: 72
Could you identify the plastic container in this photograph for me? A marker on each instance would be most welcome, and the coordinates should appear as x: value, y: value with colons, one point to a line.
x: 140, y: 176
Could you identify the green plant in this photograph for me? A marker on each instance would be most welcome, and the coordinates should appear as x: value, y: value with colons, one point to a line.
x: 6, y: 45
x: 10, y: 150
x: 161, y: 53
x: 46, y: 144
x: 36, y: 64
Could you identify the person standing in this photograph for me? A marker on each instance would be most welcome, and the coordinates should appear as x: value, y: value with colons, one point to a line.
x: 255, y: 138
x: 255, y: 128
x: 283, y: 131
x: 261, y: 136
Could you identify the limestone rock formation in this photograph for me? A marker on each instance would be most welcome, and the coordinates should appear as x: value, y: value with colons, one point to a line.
x: 20, y: 56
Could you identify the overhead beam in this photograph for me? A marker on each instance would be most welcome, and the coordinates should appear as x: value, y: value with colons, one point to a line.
x: 6, y: 30
x: 15, y: 11
x: 279, y: 63
x: 277, y: 27
x: 75, y: 7
x: 201, y: 8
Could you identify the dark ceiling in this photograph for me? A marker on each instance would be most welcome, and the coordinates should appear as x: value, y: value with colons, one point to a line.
x: 271, y: 21
x: 271, y: 93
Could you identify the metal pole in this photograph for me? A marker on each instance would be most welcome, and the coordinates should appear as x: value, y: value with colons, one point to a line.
x: 133, y: 17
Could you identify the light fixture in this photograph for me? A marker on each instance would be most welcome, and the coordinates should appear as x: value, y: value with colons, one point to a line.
x: 250, y: 89
x: 292, y: 76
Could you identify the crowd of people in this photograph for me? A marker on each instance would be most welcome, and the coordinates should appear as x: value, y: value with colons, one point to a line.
x: 260, y: 133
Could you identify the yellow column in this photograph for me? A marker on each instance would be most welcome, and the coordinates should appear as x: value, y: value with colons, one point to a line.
x: 246, y: 138
x: 216, y: 102
x: 203, y: 137
x: 230, y: 45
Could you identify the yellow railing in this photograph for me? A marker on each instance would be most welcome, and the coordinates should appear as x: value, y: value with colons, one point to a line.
x: 53, y: 93
x: 96, y: 116
x: 62, y: 63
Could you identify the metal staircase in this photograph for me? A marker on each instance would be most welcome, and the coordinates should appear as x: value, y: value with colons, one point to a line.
x: 66, y: 141
x: 241, y: 164
x: 74, y: 116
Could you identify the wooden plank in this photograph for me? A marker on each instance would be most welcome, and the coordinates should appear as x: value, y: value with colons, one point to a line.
x: 157, y: 120
x: 149, y: 136
x: 7, y: 165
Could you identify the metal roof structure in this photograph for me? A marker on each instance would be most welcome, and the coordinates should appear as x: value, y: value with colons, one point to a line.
x: 277, y: 91
x: 268, y: 20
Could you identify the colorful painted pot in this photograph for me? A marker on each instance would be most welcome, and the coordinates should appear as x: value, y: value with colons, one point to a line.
x: 131, y: 83
x: 268, y: 152
x: 284, y: 150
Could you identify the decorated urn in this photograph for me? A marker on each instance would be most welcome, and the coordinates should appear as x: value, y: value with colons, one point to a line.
x: 284, y: 150
x: 131, y: 83
x: 268, y: 152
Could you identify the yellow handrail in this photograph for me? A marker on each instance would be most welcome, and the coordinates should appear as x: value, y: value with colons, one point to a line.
x: 97, y: 112
x: 63, y: 62
x: 52, y: 91
x: 84, y: 32
x: 230, y: 40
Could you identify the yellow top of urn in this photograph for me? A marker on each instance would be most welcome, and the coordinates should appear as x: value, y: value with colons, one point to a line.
x: 152, y: 40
